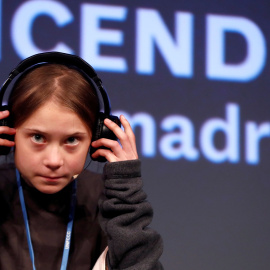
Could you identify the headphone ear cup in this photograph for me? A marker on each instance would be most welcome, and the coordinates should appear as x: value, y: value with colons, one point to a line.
x: 102, y: 131
x: 4, y: 150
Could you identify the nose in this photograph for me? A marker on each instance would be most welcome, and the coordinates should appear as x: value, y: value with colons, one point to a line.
x: 53, y: 158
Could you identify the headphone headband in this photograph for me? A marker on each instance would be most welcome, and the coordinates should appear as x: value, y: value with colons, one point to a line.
x: 59, y: 58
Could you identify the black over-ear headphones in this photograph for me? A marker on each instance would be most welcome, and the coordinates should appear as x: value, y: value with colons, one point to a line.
x: 101, y: 131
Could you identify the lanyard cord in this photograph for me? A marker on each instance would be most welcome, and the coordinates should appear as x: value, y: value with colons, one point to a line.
x: 69, y: 225
x: 26, y: 224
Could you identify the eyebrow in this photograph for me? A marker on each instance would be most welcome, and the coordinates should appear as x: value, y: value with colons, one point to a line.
x: 34, y: 130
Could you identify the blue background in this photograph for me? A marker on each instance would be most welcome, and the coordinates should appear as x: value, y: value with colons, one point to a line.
x: 211, y: 215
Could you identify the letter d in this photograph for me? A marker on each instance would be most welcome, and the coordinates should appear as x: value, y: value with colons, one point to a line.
x: 251, y: 66
x: 230, y: 127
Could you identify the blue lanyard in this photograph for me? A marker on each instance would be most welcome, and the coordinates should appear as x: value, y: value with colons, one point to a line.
x: 69, y: 225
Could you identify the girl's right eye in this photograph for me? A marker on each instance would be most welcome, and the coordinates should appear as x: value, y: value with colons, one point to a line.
x: 37, y: 138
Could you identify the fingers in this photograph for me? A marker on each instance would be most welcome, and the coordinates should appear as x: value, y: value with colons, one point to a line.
x: 129, y: 133
x: 107, y: 153
x: 7, y: 130
x: 4, y: 130
x: 7, y: 143
x: 116, y: 152
x: 4, y: 114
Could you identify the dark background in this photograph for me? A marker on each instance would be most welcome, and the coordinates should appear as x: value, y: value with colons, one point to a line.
x: 211, y: 215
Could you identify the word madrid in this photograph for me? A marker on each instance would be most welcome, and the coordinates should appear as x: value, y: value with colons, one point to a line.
x: 178, y: 139
x: 151, y: 34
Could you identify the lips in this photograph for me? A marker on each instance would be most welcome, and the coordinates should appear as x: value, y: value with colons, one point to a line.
x: 51, y: 178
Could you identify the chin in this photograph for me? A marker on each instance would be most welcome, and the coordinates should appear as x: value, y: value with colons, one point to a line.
x: 50, y: 189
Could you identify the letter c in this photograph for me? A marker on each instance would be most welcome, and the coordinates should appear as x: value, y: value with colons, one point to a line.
x: 24, y: 18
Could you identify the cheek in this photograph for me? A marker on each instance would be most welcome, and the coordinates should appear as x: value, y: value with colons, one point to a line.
x: 21, y: 152
x: 24, y: 157
x: 76, y: 163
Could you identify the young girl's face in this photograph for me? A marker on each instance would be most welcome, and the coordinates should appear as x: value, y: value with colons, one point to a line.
x: 51, y: 147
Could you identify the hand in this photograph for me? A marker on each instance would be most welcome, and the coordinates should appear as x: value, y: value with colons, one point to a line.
x: 116, y: 152
x: 6, y: 130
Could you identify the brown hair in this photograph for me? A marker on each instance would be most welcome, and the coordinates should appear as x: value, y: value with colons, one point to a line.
x: 65, y: 85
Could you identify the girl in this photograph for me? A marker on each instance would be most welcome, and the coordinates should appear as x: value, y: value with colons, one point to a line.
x: 54, y: 214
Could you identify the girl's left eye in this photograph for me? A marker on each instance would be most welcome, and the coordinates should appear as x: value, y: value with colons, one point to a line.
x: 72, y: 141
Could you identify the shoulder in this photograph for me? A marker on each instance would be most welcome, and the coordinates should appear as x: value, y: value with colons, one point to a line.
x: 8, y: 184
x: 7, y: 174
x: 6, y: 169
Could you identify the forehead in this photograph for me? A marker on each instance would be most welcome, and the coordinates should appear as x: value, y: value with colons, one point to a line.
x: 52, y: 117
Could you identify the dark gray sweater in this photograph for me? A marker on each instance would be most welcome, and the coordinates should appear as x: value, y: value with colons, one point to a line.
x: 122, y: 225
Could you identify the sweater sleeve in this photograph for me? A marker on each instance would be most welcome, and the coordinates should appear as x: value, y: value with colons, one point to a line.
x: 125, y: 216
